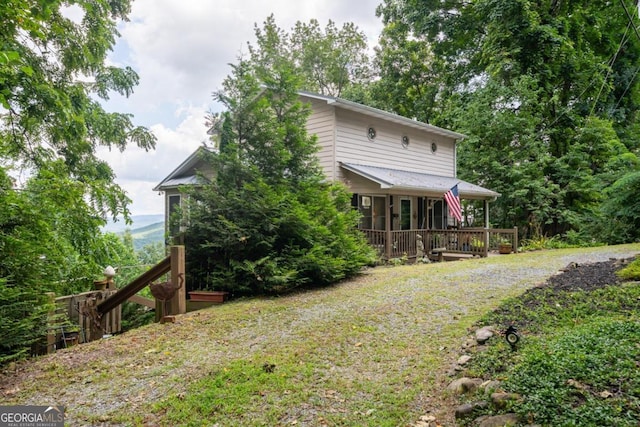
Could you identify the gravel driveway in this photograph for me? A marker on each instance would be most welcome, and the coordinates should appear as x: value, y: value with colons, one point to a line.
x: 384, y: 339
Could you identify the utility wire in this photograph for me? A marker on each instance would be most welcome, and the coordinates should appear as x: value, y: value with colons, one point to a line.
x: 610, y: 68
x: 624, y: 6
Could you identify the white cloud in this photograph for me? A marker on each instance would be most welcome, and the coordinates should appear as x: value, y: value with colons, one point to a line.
x: 138, y: 171
x: 181, y: 50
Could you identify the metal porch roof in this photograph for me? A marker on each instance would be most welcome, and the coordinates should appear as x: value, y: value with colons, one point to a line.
x: 407, y: 180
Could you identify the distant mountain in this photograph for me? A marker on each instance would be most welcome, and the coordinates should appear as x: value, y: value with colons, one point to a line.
x: 145, y: 229
x: 151, y: 233
x: 139, y: 221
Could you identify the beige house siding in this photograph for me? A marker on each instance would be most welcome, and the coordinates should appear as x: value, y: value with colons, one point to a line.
x: 353, y: 146
x: 321, y: 123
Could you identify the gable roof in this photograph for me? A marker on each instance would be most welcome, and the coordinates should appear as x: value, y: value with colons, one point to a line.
x: 185, y: 173
x: 405, y: 180
x: 381, y: 114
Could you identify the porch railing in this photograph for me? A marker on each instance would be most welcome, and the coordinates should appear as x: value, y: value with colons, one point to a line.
x: 472, y: 241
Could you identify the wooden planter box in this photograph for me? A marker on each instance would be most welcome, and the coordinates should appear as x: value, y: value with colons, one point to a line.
x: 208, y: 296
x: 505, y: 248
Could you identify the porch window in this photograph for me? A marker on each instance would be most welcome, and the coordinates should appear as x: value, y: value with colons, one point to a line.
x: 405, y: 214
x: 372, y: 209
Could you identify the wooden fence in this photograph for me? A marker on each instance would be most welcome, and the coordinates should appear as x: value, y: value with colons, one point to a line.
x: 92, y: 315
x: 74, y: 320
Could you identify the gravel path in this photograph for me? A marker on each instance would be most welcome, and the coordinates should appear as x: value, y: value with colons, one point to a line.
x: 381, y: 341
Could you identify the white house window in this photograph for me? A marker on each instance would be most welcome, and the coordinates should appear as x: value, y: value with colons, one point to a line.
x: 371, y: 133
x: 434, y: 147
x: 405, y: 141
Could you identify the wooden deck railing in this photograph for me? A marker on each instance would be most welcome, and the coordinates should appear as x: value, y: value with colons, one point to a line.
x: 473, y: 241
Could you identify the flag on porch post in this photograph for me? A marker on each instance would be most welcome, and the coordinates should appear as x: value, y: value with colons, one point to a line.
x: 453, y: 201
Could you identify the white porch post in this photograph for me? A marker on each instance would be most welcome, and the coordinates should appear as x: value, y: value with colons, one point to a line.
x: 486, y: 228
x: 486, y: 214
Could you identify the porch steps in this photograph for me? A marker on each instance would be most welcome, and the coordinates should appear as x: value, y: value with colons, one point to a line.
x: 441, y: 254
x: 452, y: 256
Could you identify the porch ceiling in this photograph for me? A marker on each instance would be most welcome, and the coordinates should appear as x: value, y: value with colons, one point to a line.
x: 415, y: 181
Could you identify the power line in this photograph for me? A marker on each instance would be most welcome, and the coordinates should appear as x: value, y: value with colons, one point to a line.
x: 624, y: 6
x: 610, y: 68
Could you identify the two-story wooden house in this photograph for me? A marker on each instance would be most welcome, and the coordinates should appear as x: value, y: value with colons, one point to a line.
x: 398, y: 170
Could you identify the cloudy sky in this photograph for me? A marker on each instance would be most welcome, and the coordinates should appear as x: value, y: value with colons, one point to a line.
x: 182, y: 49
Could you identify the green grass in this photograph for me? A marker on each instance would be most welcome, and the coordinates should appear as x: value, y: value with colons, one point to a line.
x: 587, y: 376
x: 373, y: 351
x: 577, y: 361
x: 631, y: 271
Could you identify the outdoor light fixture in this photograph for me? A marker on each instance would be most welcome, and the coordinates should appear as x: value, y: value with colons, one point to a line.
x: 512, y: 337
x: 109, y: 272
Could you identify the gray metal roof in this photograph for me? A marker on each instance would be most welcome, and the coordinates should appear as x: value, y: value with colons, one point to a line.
x: 406, y: 180
x: 384, y: 115
x: 184, y: 180
x: 184, y: 173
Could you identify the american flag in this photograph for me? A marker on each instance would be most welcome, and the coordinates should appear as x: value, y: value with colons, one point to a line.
x: 453, y: 201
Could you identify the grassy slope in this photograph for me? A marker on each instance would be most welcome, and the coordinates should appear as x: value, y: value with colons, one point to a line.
x: 371, y: 351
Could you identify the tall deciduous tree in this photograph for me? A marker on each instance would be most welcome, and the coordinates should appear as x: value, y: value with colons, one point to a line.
x: 51, y: 69
x: 52, y: 73
x: 329, y: 60
x: 411, y: 78
x: 546, y: 90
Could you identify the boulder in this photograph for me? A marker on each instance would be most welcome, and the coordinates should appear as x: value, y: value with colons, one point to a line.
x: 467, y: 409
x: 505, y: 420
x: 464, y: 385
x: 490, y: 386
x: 462, y: 360
x: 500, y: 399
x: 483, y: 334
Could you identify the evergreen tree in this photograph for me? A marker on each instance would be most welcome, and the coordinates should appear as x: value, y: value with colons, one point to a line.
x: 268, y: 222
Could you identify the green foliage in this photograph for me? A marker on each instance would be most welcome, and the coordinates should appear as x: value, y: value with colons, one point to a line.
x: 51, y: 125
x: 586, y: 376
x: 411, y: 76
x: 268, y: 223
x: 620, y: 220
x: 543, y: 90
x: 399, y: 261
x: 575, y: 363
x: 23, y: 315
x: 543, y: 242
x: 631, y: 271
x: 328, y: 60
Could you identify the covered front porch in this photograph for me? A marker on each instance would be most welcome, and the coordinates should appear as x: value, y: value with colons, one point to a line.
x: 438, y: 243
x: 400, y: 207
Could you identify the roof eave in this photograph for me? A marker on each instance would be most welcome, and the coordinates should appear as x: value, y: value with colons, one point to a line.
x: 385, y: 115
